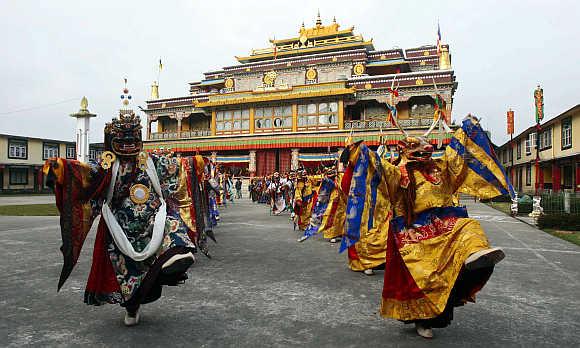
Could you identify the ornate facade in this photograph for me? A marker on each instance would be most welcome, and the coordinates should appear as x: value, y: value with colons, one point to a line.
x: 295, y: 102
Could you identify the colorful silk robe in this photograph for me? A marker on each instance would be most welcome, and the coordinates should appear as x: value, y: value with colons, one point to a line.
x: 425, y: 256
x: 368, y: 210
x: 304, y: 200
x: 80, y: 192
x: 329, y: 212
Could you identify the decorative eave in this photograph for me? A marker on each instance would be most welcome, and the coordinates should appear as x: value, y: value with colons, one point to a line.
x: 268, y: 53
x: 284, y: 140
x: 387, y: 54
x: 287, y: 93
x: 423, y: 51
x: 358, y: 54
x: 174, y: 102
x: 411, y: 79
x: 387, y: 62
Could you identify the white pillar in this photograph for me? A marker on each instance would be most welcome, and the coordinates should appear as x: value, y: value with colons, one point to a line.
x: 340, y: 167
x: 82, y: 131
x: 83, y: 124
x: 295, y: 161
x: 252, y: 163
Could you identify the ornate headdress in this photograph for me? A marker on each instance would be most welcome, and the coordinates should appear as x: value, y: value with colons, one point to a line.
x: 123, y: 134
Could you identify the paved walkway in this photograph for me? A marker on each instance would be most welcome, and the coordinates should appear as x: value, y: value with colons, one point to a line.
x: 26, y: 199
x: 263, y: 289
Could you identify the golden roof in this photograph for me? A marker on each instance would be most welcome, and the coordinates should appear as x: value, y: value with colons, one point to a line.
x: 310, y: 40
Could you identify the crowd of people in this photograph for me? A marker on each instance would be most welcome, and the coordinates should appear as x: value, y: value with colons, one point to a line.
x: 400, y: 212
x: 394, y: 212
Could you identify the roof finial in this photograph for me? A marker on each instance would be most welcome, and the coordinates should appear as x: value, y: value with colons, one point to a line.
x: 334, y: 19
x: 303, y: 25
x: 125, y: 97
x: 318, y: 20
x: 84, y: 104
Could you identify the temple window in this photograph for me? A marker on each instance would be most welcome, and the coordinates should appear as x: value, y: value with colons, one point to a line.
x: 278, y: 118
x: 17, y: 149
x: 49, y: 150
x: 421, y: 107
x: 318, y: 115
x: 233, y: 121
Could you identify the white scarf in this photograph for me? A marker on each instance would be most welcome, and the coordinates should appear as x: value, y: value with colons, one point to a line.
x: 116, y: 230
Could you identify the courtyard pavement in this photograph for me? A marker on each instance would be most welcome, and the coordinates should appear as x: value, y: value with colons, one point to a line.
x: 263, y: 289
x: 26, y: 199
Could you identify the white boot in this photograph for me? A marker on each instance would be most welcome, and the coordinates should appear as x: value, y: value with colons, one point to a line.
x: 302, y: 239
x: 131, y: 321
x: 178, y: 263
x: 484, y: 258
x: 369, y: 272
x: 423, y: 331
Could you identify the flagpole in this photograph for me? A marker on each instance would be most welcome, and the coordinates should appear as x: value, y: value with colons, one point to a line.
x: 159, y: 72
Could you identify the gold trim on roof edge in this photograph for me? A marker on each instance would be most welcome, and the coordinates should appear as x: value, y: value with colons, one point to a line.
x: 300, y: 51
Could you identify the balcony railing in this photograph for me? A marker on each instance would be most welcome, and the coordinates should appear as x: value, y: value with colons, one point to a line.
x: 376, y: 124
x: 180, y: 135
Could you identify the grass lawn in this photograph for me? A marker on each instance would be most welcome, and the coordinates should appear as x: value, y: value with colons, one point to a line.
x: 570, y: 236
x: 504, y: 207
x: 29, y: 210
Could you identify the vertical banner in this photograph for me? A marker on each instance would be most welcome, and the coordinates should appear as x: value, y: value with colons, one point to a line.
x: 539, y: 103
x: 510, y: 122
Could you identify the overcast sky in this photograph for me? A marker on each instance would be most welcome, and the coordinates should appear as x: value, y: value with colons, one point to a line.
x: 57, y: 51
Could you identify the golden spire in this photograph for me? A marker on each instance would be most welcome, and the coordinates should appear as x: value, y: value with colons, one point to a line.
x: 154, y: 91
x: 84, y: 104
x: 84, y: 111
x: 444, y: 58
x: 334, y: 19
x: 318, y: 20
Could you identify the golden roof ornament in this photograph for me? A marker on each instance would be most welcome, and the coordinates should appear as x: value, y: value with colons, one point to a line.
x: 84, y: 110
x: 318, y: 20
x: 84, y: 104
x: 154, y: 91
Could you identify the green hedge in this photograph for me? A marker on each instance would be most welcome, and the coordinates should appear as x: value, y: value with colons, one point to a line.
x: 554, y: 204
x: 565, y: 222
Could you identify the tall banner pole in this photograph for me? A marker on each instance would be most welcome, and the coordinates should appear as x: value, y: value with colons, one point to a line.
x: 510, y: 131
x: 539, y: 105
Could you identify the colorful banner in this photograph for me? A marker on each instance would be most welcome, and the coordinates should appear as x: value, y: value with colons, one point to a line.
x: 510, y: 122
x: 539, y: 102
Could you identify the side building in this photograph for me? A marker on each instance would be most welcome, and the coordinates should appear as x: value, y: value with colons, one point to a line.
x: 21, y: 160
x: 294, y: 103
x: 559, y: 153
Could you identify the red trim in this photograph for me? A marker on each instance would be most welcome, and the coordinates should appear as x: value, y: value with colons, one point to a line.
x: 102, y: 278
x: 288, y: 145
x: 556, y: 177
x: 398, y: 283
x: 352, y: 254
